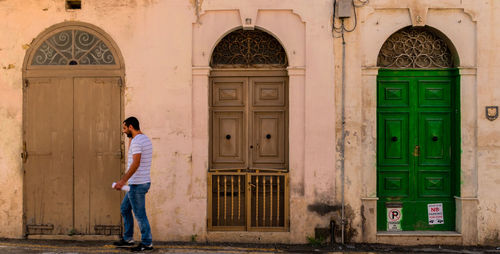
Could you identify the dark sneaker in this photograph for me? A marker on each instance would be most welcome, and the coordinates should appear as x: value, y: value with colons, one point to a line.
x: 123, y: 243
x: 142, y: 247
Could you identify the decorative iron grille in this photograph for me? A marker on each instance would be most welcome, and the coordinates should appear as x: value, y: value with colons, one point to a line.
x: 73, y: 47
x: 248, y: 201
x: 415, y: 47
x: 248, y: 48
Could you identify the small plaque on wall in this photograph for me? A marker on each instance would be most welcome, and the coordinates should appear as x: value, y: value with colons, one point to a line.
x: 491, y: 112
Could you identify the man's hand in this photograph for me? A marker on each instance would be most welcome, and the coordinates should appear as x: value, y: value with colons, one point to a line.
x: 120, y: 184
x: 133, y: 167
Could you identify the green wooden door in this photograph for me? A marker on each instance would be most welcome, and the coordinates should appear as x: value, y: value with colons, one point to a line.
x: 417, y: 146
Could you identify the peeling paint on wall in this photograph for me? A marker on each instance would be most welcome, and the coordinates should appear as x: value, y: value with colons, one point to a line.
x: 8, y: 67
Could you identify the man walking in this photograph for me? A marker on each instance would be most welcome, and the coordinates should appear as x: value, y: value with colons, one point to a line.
x: 140, y: 154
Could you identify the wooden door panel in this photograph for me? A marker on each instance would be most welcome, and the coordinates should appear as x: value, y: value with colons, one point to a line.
x: 393, y: 139
x: 229, y: 92
x: 237, y: 127
x: 434, y: 93
x: 269, y: 139
x: 49, y: 166
x: 394, y: 183
x: 97, y: 154
x: 434, y: 139
x: 268, y: 91
x: 434, y: 183
x: 393, y: 93
x: 229, y: 139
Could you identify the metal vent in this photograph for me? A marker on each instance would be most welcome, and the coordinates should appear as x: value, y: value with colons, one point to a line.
x: 39, y: 229
x: 108, y: 229
x: 73, y: 4
x: 415, y: 47
x: 249, y: 48
x: 73, y: 47
x: 248, y: 201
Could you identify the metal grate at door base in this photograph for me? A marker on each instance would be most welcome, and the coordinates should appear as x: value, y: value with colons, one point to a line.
x: 107, y: 230
x: 248, y: 201
x: 39, y: 229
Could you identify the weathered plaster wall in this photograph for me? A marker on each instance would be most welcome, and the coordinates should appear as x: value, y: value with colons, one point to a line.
x: 166, y: 48
x: 152, y: 37
x: 311, y: 94
x: 488, y: 143
x: 156, y: 41
x: 464, y: 23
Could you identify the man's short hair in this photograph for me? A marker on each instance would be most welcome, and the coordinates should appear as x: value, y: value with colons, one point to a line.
x: 132, y: 121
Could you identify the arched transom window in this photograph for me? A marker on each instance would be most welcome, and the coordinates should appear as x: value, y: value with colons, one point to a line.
x: 248, y: 49
x: 73, y: 47
x: 415, y: 47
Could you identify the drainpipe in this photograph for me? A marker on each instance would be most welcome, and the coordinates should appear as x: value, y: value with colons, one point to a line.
x: 347, y: 8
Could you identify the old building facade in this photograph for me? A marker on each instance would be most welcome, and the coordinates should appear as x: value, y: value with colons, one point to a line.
x: 269, y: 119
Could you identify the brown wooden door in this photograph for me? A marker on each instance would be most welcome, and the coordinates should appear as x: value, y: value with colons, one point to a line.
x: 74, y: 154
x: 97, y: 153
x: 249, y: 123
x: 269, y: 122
x: 48, y: 168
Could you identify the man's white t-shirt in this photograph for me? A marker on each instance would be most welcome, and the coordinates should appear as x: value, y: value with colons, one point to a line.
x: 141, y: 144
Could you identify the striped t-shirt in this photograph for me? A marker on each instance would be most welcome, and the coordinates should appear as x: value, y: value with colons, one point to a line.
x: 141, y: 144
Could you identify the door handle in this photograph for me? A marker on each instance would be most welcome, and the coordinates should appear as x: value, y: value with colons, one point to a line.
x: 416, y: 151
x: 24, y: 153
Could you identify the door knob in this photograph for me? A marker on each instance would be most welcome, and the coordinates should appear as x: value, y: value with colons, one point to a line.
x: 228, y: 137
x: 416, y: 151
x: 394, y: 139
x: 434, y: 138
x: 268, y: 136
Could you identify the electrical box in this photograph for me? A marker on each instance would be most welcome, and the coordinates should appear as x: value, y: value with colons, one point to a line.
x: 344, y: 9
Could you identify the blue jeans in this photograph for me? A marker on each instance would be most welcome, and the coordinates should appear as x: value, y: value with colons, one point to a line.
x: 135, y: 200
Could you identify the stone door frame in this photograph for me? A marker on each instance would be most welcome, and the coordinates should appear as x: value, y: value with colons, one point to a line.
x: 444, y: 20
x: 116, y: 70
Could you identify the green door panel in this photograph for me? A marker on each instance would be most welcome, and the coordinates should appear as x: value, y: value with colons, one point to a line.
x: 393, y: 93
x: 393, y: 145
x: 434, y: 184
x: 418, y: 146
x: 393, y: 184
x: 434, y: 138
x: 434, y: 93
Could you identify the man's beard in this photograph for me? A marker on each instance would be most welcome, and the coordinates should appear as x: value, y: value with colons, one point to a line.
x: 129, y: 134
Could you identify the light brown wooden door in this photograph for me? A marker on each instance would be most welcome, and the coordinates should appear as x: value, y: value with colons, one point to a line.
x: 73, y: 140
x: 249, y: 123
x: 48, y: 168
x: 269, y: 122
x: 97, y: 154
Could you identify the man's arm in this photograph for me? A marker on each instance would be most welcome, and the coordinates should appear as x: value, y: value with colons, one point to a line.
x: 136, y: 160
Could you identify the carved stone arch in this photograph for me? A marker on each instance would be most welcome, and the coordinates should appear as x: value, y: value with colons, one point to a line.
x: 417, y: 47
x: 248, y: 49
x: 77, y: 45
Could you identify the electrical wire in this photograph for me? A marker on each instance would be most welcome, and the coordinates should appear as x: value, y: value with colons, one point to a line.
x: 342, y: 28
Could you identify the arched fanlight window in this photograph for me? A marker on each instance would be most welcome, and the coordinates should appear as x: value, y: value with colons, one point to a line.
x: 247, y: 49
x: 415, y: 47
x: 73, y: 47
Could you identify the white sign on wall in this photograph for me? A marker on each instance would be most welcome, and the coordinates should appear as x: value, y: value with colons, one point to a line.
x: 394, y: 216
x: 435, y: 213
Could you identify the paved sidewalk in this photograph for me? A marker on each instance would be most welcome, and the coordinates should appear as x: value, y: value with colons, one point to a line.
x: 17, y: 246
